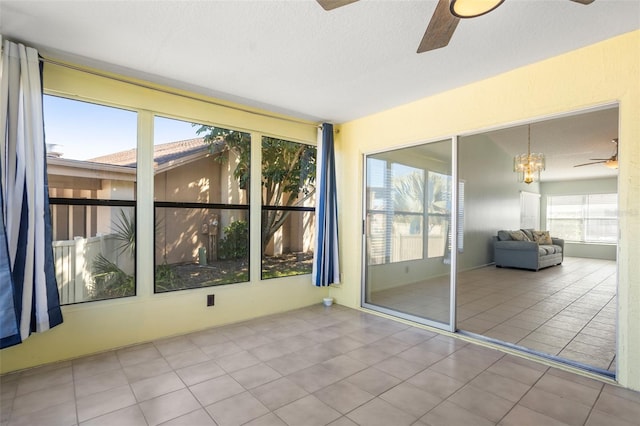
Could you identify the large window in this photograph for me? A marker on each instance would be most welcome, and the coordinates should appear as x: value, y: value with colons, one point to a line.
x: 91, y: 166
x: 201, y: 187
x: 590, y: 218
x: 288, y: 213
x: 395, y: 206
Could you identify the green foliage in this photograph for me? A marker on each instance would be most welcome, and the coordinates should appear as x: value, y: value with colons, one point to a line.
x: 235, y: 243
x: 109, y: 281
x: 238, y: 142
x: 167, y: 279
x: 125, y: 232
x: 288, y: 171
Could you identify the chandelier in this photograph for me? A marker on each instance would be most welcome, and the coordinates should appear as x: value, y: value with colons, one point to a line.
x: 528, y: 166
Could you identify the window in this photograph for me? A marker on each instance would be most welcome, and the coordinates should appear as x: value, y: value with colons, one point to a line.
x: 91, y: 171
x: 590, y: 218
x: 201, y: 182
x: 395, y: 206
x: 288, y: 213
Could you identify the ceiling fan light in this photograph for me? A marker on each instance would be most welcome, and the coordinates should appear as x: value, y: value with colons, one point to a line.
x: 472, y: 8
x: 612, y: 164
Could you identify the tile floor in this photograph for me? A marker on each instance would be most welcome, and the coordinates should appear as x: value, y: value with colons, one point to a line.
x: 312, y: 366
x: 566, y: 310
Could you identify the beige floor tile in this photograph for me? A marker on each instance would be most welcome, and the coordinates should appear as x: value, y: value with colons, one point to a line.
x: 41, y: 399
x: 449, y: 414
x: 185, y: 359
x: 343, y: 421
x: 378, y: 412
x: 522, y: 416
x: 174, y: 345
x: 155, y: 386
x: 499, y: 385
x: 266, y: 420
x: 91, y: 366
x: 237, y: 361
x: 481, y: 402
x: 599, y: 418
x: 373, y: 381
x: 343, y: 396
x: 236, y: 410
x: 436, y: 383
x: 616, y: 406
x: 344, y: 366
x: 100, y: 382
x: 129, y: 416
x: 568, y: 389
x: 221, y: 349
x: 104, y: 402
x: 278, y: 393
x: 52, y: 378
x: 308, y: 411
x: 255, y: 375
x: 170, y: 406
x: 200, y: 372
x: 411, y: 399
x: 217, y: 389
x: 145, y: 370
x: 53, y: 415
x: 552, y: 405
x: 195, y: 418
x: 314, y: 378
x: 136, y: 355
x: 290, y: 363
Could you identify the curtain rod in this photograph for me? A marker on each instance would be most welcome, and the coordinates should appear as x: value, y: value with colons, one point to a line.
x: 169, y: 92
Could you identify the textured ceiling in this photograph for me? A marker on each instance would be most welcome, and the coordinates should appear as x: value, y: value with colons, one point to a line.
x: 294, y: 57
x: 291, y: 56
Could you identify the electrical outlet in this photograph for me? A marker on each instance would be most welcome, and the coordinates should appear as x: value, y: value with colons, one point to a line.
x: 211, y: 299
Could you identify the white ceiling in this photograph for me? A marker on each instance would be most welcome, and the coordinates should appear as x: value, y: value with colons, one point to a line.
x: 292, y: 56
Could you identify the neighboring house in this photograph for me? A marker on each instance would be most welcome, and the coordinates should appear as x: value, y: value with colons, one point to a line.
x: 188, y: 171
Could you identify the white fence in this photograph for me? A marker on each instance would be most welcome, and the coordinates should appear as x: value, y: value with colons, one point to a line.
x: 73, y: 261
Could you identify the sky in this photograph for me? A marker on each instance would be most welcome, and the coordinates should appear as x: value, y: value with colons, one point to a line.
x: 84, y: 130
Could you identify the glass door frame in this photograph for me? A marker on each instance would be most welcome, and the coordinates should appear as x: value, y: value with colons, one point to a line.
x: 451, y: 327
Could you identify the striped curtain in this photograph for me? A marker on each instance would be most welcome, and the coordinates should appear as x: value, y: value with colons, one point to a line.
x: 29, y: 295
x: 326, y: 265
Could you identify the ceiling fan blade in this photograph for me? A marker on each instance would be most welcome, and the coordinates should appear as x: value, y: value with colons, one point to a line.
x: 440, y: 28
x: 334, y: 4
x: 583, y: 1
x: 588, y: 164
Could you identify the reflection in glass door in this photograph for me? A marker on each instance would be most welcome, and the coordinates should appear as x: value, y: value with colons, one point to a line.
x: 407, y: 241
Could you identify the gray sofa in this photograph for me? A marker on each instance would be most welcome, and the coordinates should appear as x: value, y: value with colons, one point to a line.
x: 510, y: 253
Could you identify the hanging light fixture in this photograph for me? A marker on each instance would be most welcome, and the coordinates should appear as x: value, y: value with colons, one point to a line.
x: 472, y: 8
x: 528, y: 166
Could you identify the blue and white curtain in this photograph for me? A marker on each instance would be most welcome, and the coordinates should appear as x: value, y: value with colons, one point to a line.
x: 28, y: 291
x: 326, y: 265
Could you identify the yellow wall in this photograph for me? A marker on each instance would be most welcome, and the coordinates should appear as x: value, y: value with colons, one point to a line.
x: 98, y: 326
x: 600, y: 74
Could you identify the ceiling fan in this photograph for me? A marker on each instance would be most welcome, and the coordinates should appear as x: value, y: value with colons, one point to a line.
x: 445, y: 18
x: 611, y: 162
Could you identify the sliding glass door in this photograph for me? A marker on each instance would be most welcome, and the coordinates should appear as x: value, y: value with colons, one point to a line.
x: 408, y: 223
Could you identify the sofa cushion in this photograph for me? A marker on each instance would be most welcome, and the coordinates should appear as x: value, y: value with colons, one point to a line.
x: 542, y: 237
x: 529, y: 233
x: 544, y: 250
x: 518, y: 236
x: 504, y: 236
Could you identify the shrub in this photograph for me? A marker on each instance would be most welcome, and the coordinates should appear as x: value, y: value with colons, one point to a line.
x: 235, y: 243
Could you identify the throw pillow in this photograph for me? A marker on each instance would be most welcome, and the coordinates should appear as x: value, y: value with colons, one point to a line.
x: 542, y: 237
x: 528, y: 233
x: 518, y: 236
